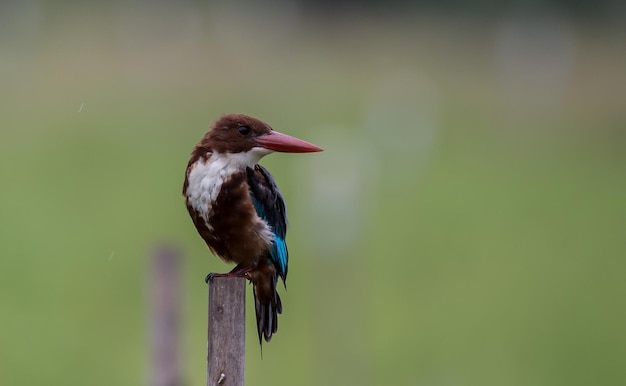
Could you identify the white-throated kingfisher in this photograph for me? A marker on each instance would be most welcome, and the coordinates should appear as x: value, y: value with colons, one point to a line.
x: 237, y: 208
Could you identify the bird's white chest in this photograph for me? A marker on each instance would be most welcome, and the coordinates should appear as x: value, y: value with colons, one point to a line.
x: 207, y: 176
x: 205, y: 182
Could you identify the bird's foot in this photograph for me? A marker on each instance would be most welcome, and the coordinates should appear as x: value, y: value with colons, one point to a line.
x: 238, y: 271
x: 211, y: 276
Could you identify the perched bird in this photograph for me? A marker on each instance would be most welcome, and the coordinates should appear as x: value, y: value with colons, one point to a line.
x: 237, y: 208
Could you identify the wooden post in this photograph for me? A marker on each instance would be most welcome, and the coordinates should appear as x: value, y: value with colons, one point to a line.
x: 226, y: 331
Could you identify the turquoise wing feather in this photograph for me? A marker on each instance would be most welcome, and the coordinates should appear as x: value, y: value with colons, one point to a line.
x: 270, y: 206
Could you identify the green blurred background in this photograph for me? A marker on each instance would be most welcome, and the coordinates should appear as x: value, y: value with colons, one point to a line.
x: 464, y: 226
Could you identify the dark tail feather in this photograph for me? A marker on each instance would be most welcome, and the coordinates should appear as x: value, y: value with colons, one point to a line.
x: 267, y: 303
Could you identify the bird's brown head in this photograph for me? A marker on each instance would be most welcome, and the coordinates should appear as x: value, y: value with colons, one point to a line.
x: 238, y: 133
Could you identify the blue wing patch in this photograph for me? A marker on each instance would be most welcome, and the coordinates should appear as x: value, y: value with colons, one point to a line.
x: 270, y: 206
x: 280, y: 255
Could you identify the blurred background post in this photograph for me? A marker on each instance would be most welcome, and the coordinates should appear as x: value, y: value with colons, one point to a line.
x: 464, y: 225
x: 165, y: 317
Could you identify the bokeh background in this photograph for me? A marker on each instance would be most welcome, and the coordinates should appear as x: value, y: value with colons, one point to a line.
x: 464, y: 226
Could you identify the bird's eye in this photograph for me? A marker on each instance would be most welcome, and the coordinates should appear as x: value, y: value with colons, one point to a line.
x: 244, y: 130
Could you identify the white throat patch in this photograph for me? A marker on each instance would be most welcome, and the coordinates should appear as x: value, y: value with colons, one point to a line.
x: 206, y: 177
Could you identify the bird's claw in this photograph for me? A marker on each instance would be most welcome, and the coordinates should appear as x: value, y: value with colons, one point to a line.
x: 236, y: 272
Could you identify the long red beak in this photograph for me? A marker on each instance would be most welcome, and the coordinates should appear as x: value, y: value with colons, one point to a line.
x: 284, y: 143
